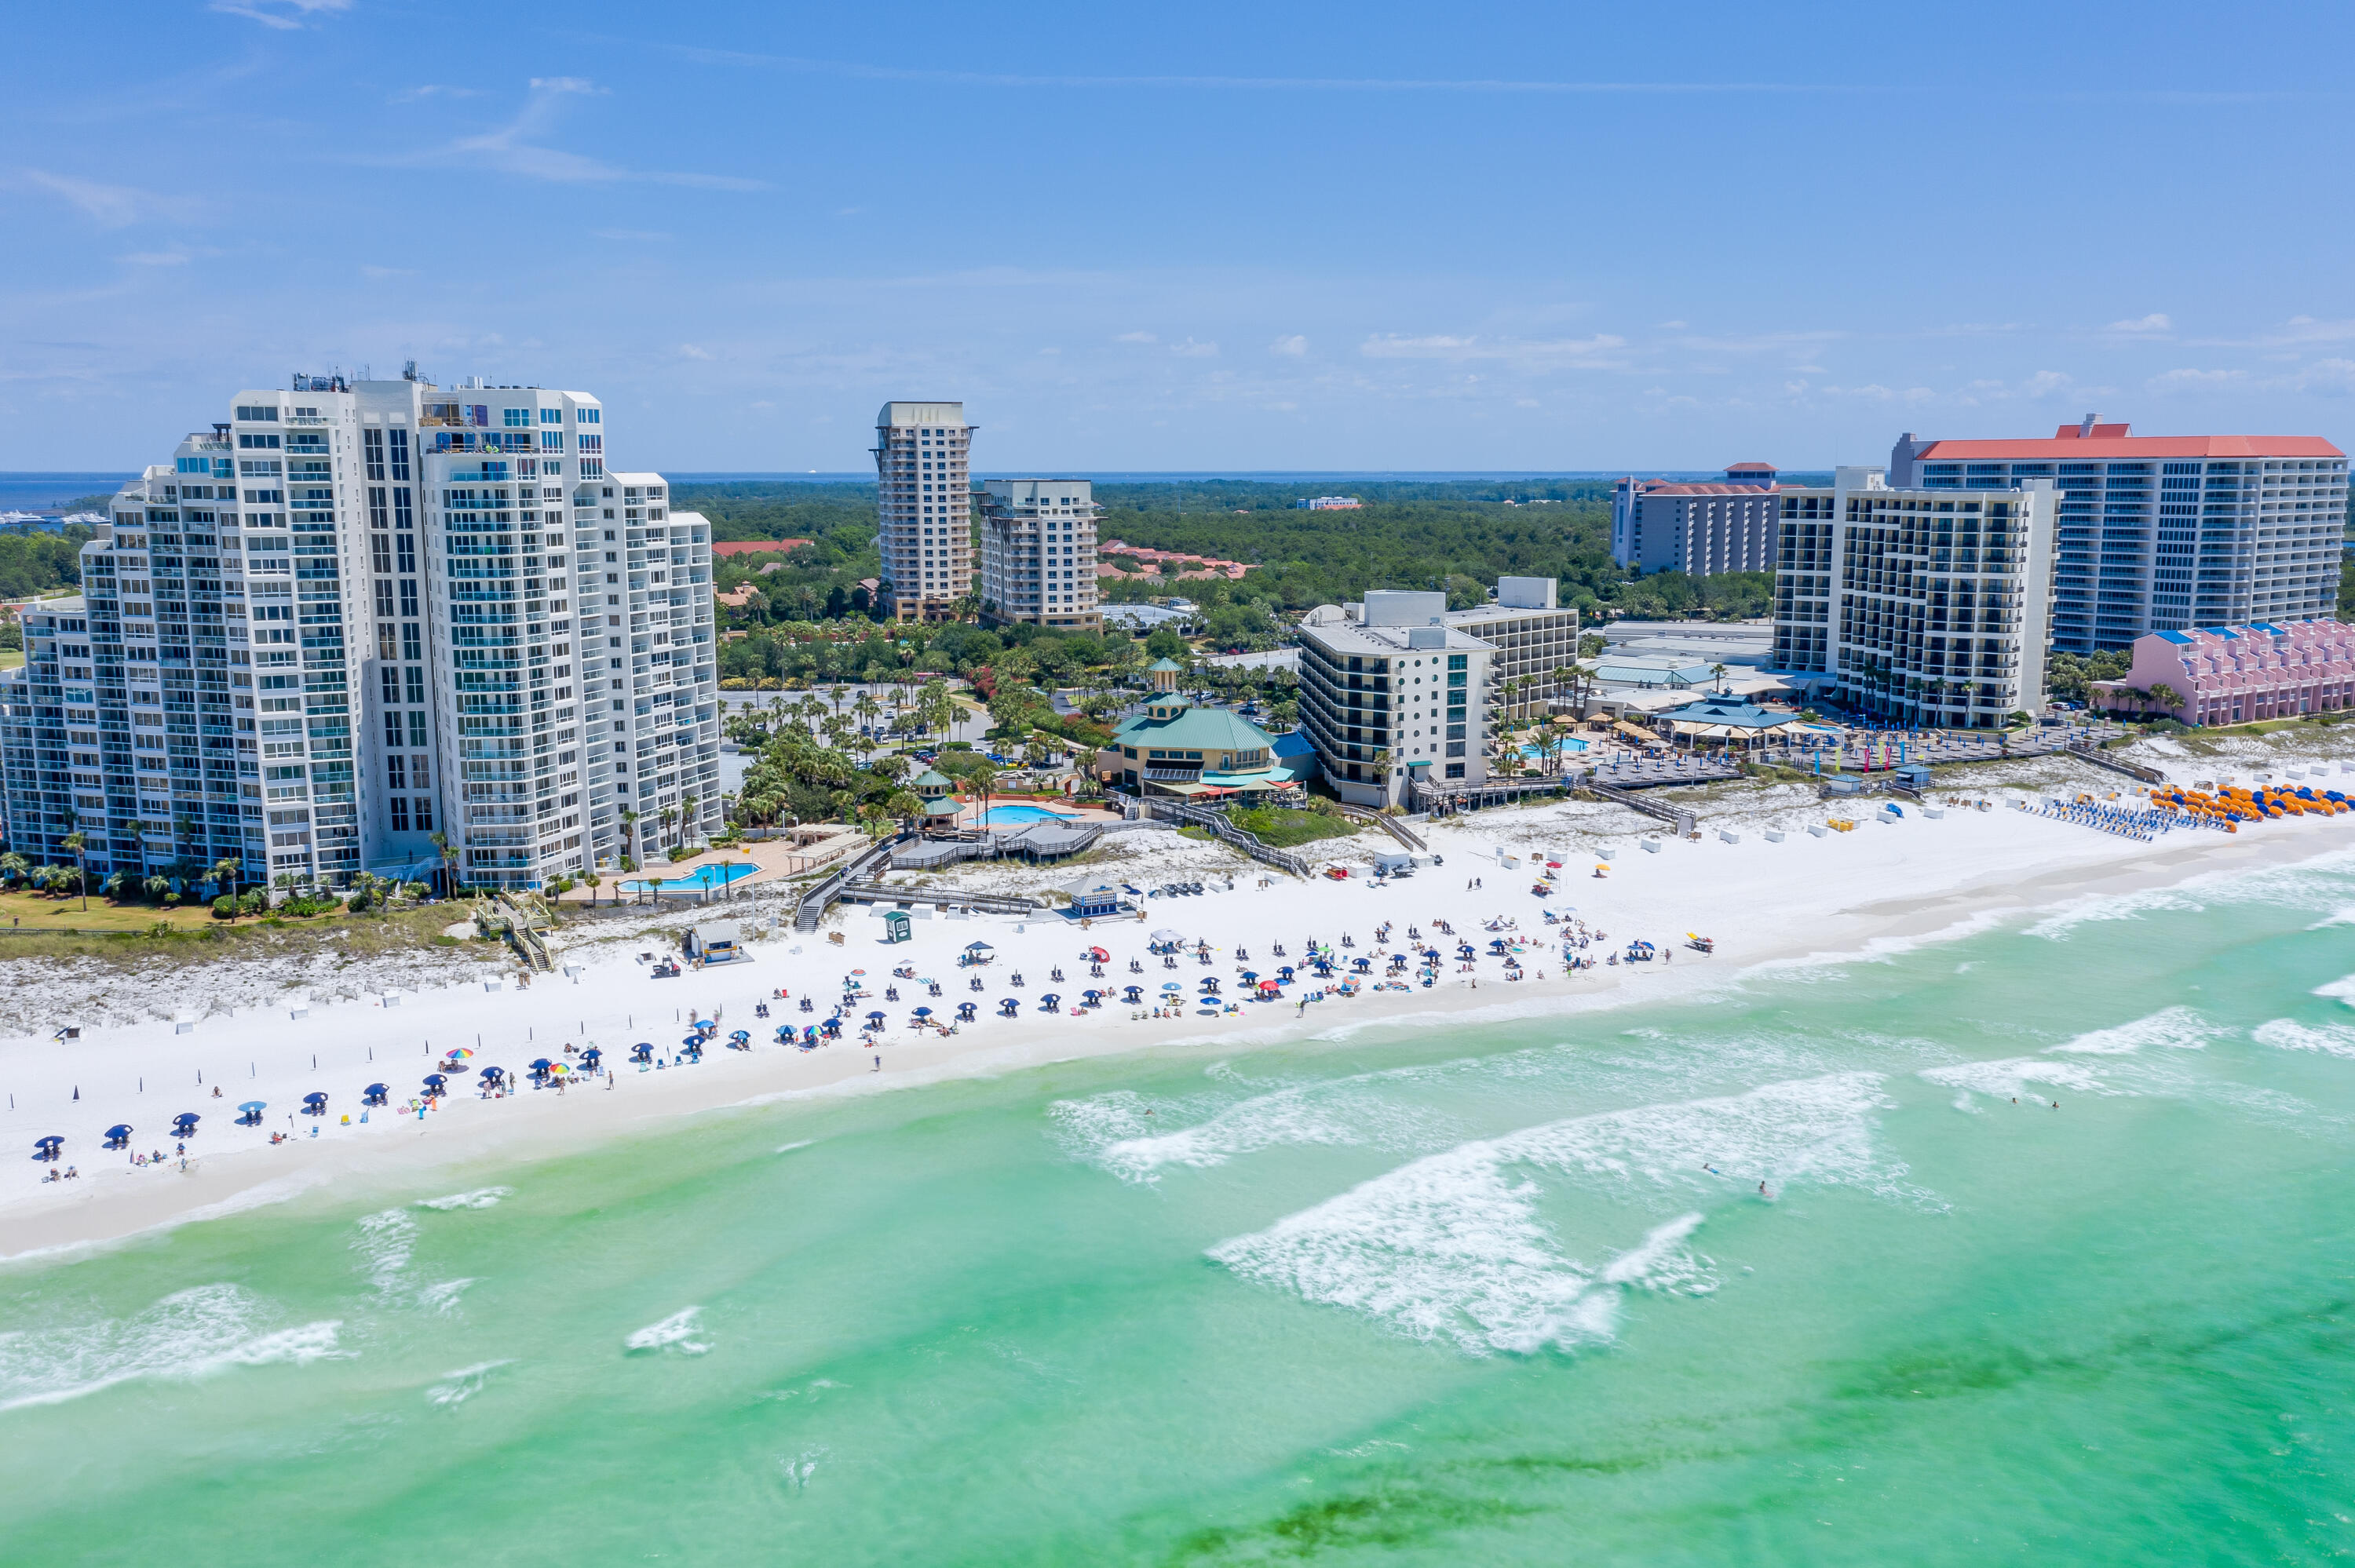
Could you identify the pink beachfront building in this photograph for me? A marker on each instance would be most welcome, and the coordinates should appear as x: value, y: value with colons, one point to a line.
x: 2237, y: 675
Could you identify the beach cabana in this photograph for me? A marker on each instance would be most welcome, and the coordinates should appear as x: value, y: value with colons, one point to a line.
x: 1093, y: 898
x: 715, y: 942
x: 896, y: 927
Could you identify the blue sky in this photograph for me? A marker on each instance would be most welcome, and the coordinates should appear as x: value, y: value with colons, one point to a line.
x: 1206, y: 237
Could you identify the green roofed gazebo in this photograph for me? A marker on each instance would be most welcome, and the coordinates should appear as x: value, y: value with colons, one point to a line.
x: 1164, y: 673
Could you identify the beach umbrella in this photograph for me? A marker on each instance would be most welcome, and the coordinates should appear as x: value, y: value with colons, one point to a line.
x: 255, y: 1107
x: 1133, y: 994
x: 1049, y: 1002
x: 489, y: 1073
x: 1098, y: 954
x: 1253, y: 974
x: 1171, y: 985
x: 118, y: 1134
x: 1008, y: 1006
x: 374, y: 1092
x: 186, y: 1122
x: 741, y: 1034
x: 592, y: 1056
x: 46, y: 1147
x: 874, y: 1018
x: 979, y: 947
x: 457, y: 1053
x: 924, y: 1012
x: 859, y: 973
x: 540, y: 1065
x: 314, y: 1102
x: 433, y: 1082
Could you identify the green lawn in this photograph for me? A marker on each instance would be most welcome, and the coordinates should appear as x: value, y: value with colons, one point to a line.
x: 1285, y: 829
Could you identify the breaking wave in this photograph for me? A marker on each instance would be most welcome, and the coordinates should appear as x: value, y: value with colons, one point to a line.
x: 1451, y: 1246
x: 191, y: 1334
x: 677, y: 1332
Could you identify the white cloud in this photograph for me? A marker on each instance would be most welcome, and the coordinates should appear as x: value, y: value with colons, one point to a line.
x: 2155, y: 321
x: 1137, y: 337
x: 1189, y: 349
x: 282, y: 15
x: 368, y: 269
x: 1674, y: 326
x: 1293, y: 345
x: 109, y: 207
x: 690, y: 351
x: 432, y: 90
x: 515, y: 148
x: 1531, y: 353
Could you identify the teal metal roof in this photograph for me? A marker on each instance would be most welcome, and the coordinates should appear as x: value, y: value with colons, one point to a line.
x: 1193, y: 729
x: 1162, y: 664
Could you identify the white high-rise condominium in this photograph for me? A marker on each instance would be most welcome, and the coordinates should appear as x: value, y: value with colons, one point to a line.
x: 1039, y: 552
x: 358, y: 614
x: 922, y: 473
x: 2159, y: 533
x: 1925, y: 607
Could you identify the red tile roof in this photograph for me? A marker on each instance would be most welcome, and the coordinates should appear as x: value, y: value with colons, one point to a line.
x: 2113, y: 442
x: 1662, y: 487
x: 1750, y: 468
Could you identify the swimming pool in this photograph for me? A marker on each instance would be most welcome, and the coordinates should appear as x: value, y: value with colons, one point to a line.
x: 1568, y: 743
x: 704, y: 879
x: 1005, y: 816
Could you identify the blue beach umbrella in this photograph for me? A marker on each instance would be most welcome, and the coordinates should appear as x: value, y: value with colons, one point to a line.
x: 118, y: 1135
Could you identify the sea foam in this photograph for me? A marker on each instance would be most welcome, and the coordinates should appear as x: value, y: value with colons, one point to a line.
x: 1451, y: 1246
x: 480, y: 1198
x: 2285, y: 1034
x: 2007, y: 1079
x: 191, y: 1334
x: 2176, y: 1027
x: 675, y: 1332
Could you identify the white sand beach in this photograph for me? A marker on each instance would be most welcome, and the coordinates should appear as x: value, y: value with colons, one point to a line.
x: 1882, y: 886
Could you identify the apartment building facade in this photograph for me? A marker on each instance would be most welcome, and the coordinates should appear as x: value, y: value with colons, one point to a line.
x: 2159, y: 533
x: 358, y: 615
x: 1533, y: 640
x: 922, y: 481
x: 1394, y: 699
x: 1039, y: 552
x: 1659, y: 525
x: 1923, y: 607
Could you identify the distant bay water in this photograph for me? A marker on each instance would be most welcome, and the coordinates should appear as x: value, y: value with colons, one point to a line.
x: 37, y: 491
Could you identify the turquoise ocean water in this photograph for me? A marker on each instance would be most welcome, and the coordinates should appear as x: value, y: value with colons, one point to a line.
x: 1498, y: 1294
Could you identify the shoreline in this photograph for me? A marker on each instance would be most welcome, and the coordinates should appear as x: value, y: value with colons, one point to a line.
x: 1852, y: 898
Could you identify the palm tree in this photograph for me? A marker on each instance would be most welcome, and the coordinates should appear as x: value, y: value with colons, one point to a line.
x: 75, y: 842
x: 1719, y: 672
x: 449, y: 859
x: 2164, y: 696
x: 689, y: 821
x: 15, y: 867
x: 981, y: 781
x: 629, y: 833
x: 904, y: 805
x: 669, y: 815
x: 225, y: 870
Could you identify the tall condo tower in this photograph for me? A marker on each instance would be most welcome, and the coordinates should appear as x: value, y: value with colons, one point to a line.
x: 1039, y: 552
x: 2158, y: 533
x: 922, y: 477
x: 360, y: 624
